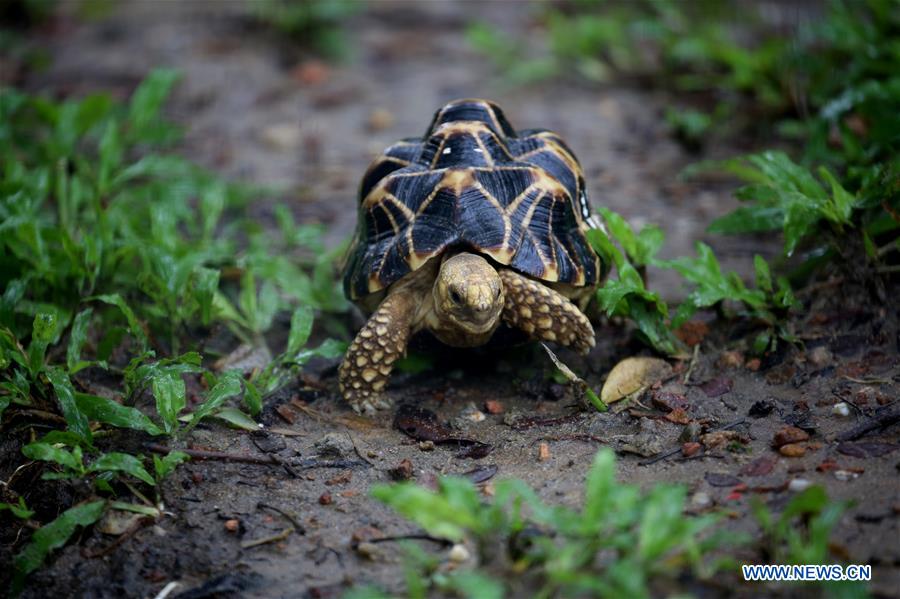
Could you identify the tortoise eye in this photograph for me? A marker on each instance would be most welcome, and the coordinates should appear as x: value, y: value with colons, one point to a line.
x: 455, y: 296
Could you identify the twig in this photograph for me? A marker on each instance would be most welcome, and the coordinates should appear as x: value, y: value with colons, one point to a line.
x: 668, y: 454
x: 577, y: 437
x: 299, y: 527
x: 167, y: 590
x: 267, y: 460
x: 413, y: 537
x: 687, y: 375
x: 270, y: 539
x: 204, y: 454
x: 878, y: 421
x: 871, y: 381
x: 888, y: 269
x: 41, y: 414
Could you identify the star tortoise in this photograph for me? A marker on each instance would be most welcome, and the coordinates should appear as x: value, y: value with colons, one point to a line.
x: 471, y: 226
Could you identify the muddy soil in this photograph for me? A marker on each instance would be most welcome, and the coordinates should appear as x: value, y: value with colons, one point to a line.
x: 260, y: 110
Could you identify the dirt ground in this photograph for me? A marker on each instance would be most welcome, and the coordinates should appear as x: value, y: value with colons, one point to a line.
x: 258, y: 110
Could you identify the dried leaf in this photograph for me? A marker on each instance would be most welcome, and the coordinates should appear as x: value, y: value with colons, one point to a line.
x: 631, y: 375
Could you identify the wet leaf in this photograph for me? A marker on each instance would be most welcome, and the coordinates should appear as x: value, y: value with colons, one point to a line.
x: 53, y: 536
x: 228, y: 385
x: 169, y: 392
x: 237, y: 418
x: 49, y: 453
x: 252, y: 398
x: 107, y: 411
x: 65, y: 395
x: 77, y: 337
x: 631, y: 375
x: 43, y: 330
x: 121, y: 462
x: 165, y: 465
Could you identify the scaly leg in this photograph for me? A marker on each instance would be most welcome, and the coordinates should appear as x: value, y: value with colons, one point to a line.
x: 544, y: 313
x: 368, y: 362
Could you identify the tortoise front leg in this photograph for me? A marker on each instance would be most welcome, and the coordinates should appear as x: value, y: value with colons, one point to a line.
x: 544, y: 313
x: 368, y: 362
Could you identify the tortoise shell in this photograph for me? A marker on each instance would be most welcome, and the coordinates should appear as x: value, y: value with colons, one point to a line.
x: 472, y: 183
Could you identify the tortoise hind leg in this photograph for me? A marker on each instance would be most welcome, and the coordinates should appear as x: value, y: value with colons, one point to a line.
x: 544, y: 313
x: 368, y: 363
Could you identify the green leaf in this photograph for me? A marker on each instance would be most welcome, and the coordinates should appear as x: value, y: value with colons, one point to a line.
x: 252, y: 398
x: 148, y: 98
x: 133, y: 324
x: 121, y: 462
x: 43, y: 331
x: 228, y: 385
x: 206, y: 283
x: 65, y: 395
x: 301, y: 327
x: 749, y: 219
x: 19, y: 510
x: 107, y: 411
x: 77, y: 338
x: 446, y: 514
x: 474, y: 585
x: 601, y: 480
x: 165, y: 465
x: 763, y: 274
x: 414, y: 363
x: 236, y: 418
x: 608, y: 252
x: 170, y: 394
x: 53, y: 536
x: 46, y: 452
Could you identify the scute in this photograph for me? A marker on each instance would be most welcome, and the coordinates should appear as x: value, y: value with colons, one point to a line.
x: 472, y: 184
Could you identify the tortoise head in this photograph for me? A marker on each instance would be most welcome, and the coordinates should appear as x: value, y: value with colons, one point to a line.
x: 482, y: 111
x: 468, y: 293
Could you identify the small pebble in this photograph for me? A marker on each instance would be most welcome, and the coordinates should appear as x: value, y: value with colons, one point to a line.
x: 543, y: 452
x: 840, y: 409
x: 325, y: 499
x: 492, y: 406
x: 700, y: 499
x: 819, y: 357
x: 459, y: 553
x: 845, y: 475
x: 799, y: 484
x: 426, y: 445
x: 792, y: 450
x: 232, y: 525
x: 367, y: 550
x: 691, y: 448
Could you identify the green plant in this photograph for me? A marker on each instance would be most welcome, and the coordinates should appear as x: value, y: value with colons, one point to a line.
x: 53, y: 536
x: 114, y: 254
x: 613, y: 545
x: 800, y: 534
x: 317, y: 22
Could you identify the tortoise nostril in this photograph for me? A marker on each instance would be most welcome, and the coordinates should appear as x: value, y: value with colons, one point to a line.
x: 455, y: 296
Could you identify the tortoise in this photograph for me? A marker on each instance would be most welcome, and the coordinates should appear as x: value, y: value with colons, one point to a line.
x: 470, y: 227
